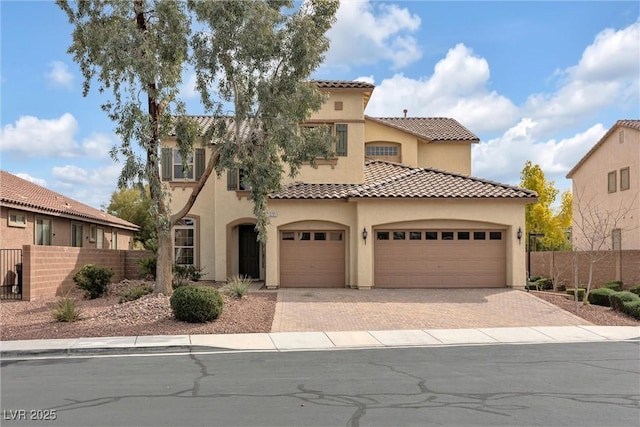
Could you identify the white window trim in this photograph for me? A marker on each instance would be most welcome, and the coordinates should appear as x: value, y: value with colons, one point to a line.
x: 17, y: 223
x: 195, y: 241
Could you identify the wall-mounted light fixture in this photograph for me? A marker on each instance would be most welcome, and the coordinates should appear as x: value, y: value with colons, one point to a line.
x: 519, y: 235
x: 364, y: 235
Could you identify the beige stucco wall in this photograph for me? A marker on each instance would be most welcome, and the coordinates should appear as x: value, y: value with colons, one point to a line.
x: 590, y: 187
x: 357, y: 215
x: 450, y: 156
x: 15, y: 237
x: 376, y: 132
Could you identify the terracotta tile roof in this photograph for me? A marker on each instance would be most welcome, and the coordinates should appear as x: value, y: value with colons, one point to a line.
x: 392, y: 180
x: 342, y: 84
x: 431, y: 128
x: 628, y: 123
x: 18, y: 193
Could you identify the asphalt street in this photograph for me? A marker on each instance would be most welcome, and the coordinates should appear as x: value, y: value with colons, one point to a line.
x: 585, y: 384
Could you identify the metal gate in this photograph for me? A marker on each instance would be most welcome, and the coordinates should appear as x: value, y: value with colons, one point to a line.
x: 11, y: 273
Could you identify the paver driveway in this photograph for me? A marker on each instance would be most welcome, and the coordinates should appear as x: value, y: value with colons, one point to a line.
x: 306, y: 309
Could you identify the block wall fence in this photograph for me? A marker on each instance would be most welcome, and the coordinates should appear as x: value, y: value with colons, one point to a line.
x: 612, y: 265
x: 48, y: 271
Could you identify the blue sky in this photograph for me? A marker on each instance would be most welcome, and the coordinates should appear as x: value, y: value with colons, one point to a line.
x: 539, y: 81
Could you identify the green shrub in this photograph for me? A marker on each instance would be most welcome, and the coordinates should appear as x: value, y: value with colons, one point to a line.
x: 148, y: 267
x: 183, y: 274
x: 601, y: 296
x: 618, y: 299
x: 632, y: 308
x: 66, y: 310
x: 635, y: 289
x: 136, y: 292
x: 544, y: 283
x: 616, y: 285
x: 238, y: 286
x: 572, y: 292
x: 93, y: 280
x: 196, y: 304
x: 561, y: 288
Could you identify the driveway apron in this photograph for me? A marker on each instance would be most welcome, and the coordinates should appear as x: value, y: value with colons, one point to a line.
x: 305, y: 309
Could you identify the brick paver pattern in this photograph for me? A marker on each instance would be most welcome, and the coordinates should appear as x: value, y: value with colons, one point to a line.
x: 304, y: 309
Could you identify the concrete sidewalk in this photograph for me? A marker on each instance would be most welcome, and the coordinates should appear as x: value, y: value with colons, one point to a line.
x: 301, y: 341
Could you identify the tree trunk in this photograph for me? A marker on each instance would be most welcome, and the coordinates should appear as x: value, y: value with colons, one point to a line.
x: 164, y: 275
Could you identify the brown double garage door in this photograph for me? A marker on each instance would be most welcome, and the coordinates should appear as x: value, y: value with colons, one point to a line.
x: 406, y: 258
x: 439, y: 258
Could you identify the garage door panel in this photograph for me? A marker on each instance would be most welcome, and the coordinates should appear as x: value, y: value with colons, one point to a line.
x: 440, y: 263
x: 312, y: 263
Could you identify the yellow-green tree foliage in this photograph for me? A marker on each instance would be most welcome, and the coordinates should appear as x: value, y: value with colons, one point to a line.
x: 540, y: 216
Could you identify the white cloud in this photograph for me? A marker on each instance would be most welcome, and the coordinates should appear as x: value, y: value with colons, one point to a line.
x: 606, y: 76
x: 503, y: 158
x: 92, y: 186
x: 457, y: 88
x: 365, y: 79
x: 366, y: 32
x: 27, y: 177
x: 59, y: 75
x: 34, y: 137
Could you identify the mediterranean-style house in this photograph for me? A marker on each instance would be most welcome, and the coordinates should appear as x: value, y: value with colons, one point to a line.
x: 606, y: 184
x: 34, y: 215
x: 395, y: 207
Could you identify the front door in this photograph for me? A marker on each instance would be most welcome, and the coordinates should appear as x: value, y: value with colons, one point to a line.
x: 249, y: 258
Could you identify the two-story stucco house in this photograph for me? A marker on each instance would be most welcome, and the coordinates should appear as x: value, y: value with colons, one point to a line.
x: 395, y: 207
x: 606, y: 185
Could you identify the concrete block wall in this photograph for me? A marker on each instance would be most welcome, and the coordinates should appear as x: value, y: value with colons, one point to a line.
x: 48, y: 270
x: 611, y: 265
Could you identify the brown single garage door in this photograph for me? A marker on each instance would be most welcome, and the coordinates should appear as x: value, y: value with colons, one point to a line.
x: 312, y: 258
x: 439, y: 258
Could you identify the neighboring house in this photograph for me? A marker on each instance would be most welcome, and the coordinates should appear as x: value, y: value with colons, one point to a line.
x: 33, y: 215
x: 607, y: 179
x: 395, y: 207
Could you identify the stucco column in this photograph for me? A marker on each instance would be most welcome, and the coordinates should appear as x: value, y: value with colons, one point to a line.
x: 364, y: 250
x: 271, y: 258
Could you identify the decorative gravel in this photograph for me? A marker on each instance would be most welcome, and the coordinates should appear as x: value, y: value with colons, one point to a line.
x: 151, y: 315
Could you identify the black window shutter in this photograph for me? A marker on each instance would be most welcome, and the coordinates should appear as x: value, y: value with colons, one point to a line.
x: 341, y: 143
x: 199, y: 162
x: 167, y: 163
x: 232, y: 179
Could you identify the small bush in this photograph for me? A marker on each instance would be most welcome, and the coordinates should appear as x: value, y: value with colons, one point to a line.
x: 601, y: 296
x: 66, y: 310
x: 544, y: 283
x: 572, y: 292
x: 635, y: 289
x: 183, y: 274
x: 238, y: 286
x: 561, y: 288
x: 148, y: 267
x: 632, y: 308
x: 196, y: 304
x: 616, y: 285
x: 93, y: 280
x: 618, y: 299
x: 135, y: 293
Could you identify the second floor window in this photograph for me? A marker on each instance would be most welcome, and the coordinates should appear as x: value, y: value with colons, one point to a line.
x: 237, y: 180
x: 175, y: 168
x: 341, y: 134
x: 611, y: 182
x: 625, y: 183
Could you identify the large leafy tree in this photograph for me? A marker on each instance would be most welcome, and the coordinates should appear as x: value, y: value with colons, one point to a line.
x: 252, y: 59
x: 134, y: 205
x: 541, y: 217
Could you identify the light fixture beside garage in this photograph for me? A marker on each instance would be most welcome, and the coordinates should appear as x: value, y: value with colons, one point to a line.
x: 519, y: 235
x: 364, y: 235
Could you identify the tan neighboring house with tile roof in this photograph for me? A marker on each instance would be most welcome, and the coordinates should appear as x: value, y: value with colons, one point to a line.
x: 395, y: 207
x: 34, y: 215
x: 607, y: 179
